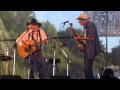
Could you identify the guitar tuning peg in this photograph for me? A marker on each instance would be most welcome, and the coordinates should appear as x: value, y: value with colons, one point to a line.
x: 71, y: 24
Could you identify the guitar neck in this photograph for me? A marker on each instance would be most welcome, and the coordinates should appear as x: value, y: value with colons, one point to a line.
x: 36, y: 44
x: 75, y: 34
x: 73, y: 30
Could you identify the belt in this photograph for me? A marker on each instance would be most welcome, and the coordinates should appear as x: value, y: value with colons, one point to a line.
x: 39, y: 50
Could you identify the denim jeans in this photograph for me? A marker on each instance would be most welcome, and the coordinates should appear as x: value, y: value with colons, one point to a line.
x: 36, y: 58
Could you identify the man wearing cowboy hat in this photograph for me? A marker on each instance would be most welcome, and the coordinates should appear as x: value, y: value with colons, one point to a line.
x: 34, y: 32
x: 92, y: 44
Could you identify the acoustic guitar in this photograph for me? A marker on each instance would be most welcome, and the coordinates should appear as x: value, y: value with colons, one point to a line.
x: 82, y: 44
x: 25, y: 52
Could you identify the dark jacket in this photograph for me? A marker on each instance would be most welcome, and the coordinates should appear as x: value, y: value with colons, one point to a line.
x: 92, y: 47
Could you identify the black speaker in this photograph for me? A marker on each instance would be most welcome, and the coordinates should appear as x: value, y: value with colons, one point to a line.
x: 10, y: 77
x: 60, y: 77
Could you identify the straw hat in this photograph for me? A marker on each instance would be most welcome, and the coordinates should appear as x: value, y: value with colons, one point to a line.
x: 83, y: 16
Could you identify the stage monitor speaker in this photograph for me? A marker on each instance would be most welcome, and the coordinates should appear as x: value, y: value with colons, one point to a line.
x: 60, y: 77
x: 10, y: 77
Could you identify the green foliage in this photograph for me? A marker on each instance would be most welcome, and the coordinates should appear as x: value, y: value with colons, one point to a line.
x: 49, y: 29
x: 12, y: 24
x: 115, y: 55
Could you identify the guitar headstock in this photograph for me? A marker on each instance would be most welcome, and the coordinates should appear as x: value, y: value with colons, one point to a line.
x: 71, y: 24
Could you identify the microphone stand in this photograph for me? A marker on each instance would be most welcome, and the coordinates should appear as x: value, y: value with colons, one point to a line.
x: 54, y: 61
x: 60, y: 27
x: 102, y: 68
x: 29, y: 67
x: 15, y: 46
x: 14, y: 59
x: 63, y: 26
x: 68, y: 60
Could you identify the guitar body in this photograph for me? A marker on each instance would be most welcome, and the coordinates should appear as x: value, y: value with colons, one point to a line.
x: 82, y: 47
x: 24, y: 52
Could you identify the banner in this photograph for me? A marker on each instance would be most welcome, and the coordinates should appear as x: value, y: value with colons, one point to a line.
x: 106, y: 21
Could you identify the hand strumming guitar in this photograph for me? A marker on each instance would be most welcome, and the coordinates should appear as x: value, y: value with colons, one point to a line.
x: 25, y: 45
x: 45, y: 41
x: 81, y: 38
x: 78, y: 37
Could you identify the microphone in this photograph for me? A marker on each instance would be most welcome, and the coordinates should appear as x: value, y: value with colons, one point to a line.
x: 62, y: 45
x: 65, y: 22
x: 28, y: 29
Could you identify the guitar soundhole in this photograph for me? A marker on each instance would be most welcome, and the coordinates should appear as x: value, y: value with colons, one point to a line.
x: 29, y: 47
x: 27, y: 50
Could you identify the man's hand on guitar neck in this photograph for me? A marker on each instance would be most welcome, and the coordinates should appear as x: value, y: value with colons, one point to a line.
x: 78, y: 37
x: 81, y: 38
x: 45, y: 41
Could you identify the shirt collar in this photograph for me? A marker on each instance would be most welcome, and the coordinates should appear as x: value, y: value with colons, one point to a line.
x: 33, y: 32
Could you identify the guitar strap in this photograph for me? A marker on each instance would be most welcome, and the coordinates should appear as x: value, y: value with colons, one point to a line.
x: 40, y: 38
x: 37, y: 37
x: 28, y: 36
x: 84, y: 35
x: 31, y: 36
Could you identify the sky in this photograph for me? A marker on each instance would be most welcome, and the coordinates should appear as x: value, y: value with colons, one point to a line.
x: 58, y: 17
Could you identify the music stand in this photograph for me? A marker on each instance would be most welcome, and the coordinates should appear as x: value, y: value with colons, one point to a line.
x: 7, y: 53
x: 5, y: 58
x: 50, y: 61
x: 53, y: 61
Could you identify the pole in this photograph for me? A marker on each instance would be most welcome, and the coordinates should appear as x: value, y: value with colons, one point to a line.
x: 29, y: 67
x: 106, y: 36
x: 7, y: 64
x: 54, y: 61
x: 14, y: 61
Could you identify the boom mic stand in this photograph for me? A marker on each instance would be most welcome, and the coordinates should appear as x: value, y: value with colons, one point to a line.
x: 68, y: 60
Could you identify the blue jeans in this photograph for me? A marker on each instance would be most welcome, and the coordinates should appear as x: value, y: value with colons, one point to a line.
x: 36, y: 57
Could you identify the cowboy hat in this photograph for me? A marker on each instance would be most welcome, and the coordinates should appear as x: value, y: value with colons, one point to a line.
x: 34, y: 22
x: 83, y: 16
